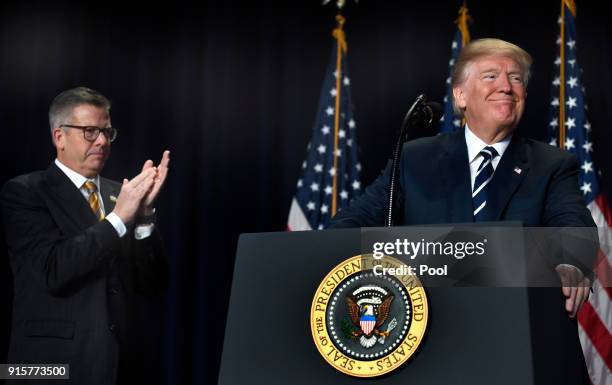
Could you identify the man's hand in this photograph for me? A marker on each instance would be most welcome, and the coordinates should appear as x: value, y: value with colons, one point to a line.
x: 160, y: 177
x: 132, y: 194
x: 575, y: 287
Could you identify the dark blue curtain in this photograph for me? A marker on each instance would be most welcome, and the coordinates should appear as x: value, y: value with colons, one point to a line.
x: 231, y: 88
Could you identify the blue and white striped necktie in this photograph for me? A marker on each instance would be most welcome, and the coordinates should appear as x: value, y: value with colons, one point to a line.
x: 483, y: 177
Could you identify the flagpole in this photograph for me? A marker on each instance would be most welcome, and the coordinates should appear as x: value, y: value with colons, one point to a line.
x: 338, y: 33
x: 462, y: 23
x: 562, y: 79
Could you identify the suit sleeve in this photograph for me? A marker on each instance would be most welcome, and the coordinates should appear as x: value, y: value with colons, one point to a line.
x: 150, y: 266
x: 565, y: 211
x: 370, y: 208
x: 36, y: 243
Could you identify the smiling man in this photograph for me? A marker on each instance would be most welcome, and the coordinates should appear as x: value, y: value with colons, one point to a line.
x: 485, y: 172
x: 82, y: 249
x: 490, y: 92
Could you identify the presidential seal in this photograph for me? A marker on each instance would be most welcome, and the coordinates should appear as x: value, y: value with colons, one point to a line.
x: 366, y: 324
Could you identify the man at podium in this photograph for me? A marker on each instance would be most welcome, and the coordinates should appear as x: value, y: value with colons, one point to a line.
x: 485, y: 172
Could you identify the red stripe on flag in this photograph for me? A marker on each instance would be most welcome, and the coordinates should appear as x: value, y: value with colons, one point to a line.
x: 604, y: 273
x: 597, y: 332
x: 602, y: 203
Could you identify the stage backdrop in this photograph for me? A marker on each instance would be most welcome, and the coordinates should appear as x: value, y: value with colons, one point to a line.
x: 231, y: 88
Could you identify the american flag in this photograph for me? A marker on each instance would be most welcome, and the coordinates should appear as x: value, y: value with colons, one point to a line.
x: 570, y: 129
x: 330, y: 173
x: 451, y: 122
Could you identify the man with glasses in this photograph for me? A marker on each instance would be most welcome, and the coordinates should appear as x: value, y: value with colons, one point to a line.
x: 82, y: 249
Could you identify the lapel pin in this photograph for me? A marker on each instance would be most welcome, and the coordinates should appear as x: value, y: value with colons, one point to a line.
x: 112, y: 198
x: 518, y: 170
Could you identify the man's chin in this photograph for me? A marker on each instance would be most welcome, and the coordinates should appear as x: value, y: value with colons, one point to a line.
x: 507, y: 120
x: 95, y: 166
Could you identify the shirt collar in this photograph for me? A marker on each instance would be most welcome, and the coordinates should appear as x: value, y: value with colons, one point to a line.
x: 475, y: 144
x: 76, y: 178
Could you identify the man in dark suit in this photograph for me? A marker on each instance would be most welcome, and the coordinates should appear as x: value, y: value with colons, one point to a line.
x: 484, y: 172
x: 82, y: 248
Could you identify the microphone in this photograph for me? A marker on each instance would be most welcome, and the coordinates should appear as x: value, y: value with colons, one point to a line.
x: 425, y: 114
x: 421, y: 114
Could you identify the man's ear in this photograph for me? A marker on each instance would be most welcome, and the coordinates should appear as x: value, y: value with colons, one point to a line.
x: 459, y: 97
x: 59, y: 138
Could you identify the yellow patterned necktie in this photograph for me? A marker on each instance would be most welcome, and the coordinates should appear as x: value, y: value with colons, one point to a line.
x: 93, y: 200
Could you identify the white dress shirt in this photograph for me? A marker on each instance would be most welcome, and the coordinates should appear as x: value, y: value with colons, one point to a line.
x: 475, y: 145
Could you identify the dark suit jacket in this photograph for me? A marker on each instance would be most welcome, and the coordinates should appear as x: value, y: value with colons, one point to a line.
x: 534, y: 183
x: 435, y: 186
x: 75, y: 279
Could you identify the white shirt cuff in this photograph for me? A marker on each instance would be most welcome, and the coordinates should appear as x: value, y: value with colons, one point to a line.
x: 117, y: 224
x: 143, y: 231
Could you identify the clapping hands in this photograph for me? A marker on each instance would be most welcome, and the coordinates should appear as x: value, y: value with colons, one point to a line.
x: 137, y: 196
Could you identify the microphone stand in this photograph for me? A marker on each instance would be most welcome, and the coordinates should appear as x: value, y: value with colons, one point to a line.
x: 397, y: 153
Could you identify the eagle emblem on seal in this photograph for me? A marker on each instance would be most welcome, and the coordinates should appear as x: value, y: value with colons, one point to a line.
x: 368, y: 309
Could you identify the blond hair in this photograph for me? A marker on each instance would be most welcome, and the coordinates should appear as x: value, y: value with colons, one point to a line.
x: 488, y: 47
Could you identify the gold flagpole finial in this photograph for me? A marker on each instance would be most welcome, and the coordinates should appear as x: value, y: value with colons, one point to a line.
x: 338, y: 33
x: 571, y: 5
x: 462, y: 22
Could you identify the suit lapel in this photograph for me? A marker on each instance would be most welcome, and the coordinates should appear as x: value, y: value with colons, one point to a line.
x: 69, y: 197
x: 109, y: 192
x: 456, y: 172
x: 508, y: 175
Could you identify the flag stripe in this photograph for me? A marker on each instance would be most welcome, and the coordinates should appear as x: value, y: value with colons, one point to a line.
x: 597, y: 332
x: 602, y: 305
x: 604, y: 261
x: 297, y: 219
x: 605, y: 235
x: 604, y: 273
x: 598, y: 370
x: 604, y: 209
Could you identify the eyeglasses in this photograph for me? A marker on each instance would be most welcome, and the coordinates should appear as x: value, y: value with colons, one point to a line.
x: 91, y: 133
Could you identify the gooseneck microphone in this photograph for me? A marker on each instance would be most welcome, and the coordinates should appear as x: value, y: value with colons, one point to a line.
x: 425, y: 114
x: 421, y: 114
